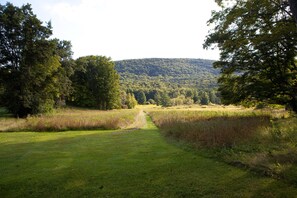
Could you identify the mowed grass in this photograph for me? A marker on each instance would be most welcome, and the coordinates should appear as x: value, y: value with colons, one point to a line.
x: 262, y: 141
x: 122, y: 163
x: 72, y: 119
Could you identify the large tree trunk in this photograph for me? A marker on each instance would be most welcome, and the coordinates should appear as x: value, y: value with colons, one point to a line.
x: 293, y: 6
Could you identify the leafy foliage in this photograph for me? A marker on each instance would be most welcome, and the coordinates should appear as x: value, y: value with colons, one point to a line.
x: 131, y: 102
x: 29, y: 64
x: 168, y: 82
x: 96, y: 83
x: 258, y: 43
x: 68, y: 66
x: 169, y: 73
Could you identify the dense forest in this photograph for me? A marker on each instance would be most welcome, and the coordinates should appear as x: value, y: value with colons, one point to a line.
x: 184, y: 80
x: 187, y: 73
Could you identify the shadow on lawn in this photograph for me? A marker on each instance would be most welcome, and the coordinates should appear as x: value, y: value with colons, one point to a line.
x: 135, y: 163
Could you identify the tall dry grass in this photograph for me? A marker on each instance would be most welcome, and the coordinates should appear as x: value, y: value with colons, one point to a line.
x: 263, y: 141
x: 211, y: 128
x: 73, y: 119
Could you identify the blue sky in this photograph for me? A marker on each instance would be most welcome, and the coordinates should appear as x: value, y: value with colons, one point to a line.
x: 129, y: 29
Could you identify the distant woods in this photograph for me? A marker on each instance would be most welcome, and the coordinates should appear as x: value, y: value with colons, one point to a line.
x: 38, y: 73
x: 257, y: 40
x: 170, y: 82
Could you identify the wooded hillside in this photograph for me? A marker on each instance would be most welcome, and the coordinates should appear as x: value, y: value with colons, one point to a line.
x: 161, y: 72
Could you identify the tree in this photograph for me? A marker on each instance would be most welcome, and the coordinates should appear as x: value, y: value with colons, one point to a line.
x: 189, y: 94
x: 157, y: 98
x: 28, y: 62
x: 96, y: 83
x: 140, y: 97
x: 165, y: 100
x: 196, y: 98
x: 131, y: 102
x: 293, y: 6
x: 213, y: 98
x: 64, y: 52
x: 204, y: 98
x: 258, y: 43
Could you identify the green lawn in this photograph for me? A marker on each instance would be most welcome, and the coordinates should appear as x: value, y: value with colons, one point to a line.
x: 136, y: 163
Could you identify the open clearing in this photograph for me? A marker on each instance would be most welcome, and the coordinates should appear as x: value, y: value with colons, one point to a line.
x: 120, y: 163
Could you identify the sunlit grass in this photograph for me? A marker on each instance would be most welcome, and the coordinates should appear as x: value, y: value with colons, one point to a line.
x: 263, y: 141
x: 72, y: 119
x: 210, y: 128
x: 133, y: 163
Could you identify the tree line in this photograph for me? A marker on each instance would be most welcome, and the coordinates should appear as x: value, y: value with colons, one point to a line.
x: 175, y: 72
x: 257, y: 39
x: 38, y: 73
x: 184, y: 96
x: 170, y: 82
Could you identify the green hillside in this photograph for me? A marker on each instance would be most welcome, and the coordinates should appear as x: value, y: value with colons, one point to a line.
x: 169, y: 81
x: 169, y: 73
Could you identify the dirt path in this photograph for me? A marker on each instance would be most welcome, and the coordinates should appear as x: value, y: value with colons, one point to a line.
x: 115, y: 163
x: 140, y: 121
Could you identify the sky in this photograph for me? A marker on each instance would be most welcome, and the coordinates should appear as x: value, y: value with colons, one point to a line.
x: 129, y: 29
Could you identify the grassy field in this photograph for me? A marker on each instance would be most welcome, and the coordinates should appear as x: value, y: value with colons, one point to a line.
x: 220, y: 127
x: 71, y: 119
x: 262, y: 141
x: 120, y: 163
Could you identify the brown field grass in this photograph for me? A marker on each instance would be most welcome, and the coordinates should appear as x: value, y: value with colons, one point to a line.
x: 211, y: 128
x: 72, y: 119
x: 263, y: 141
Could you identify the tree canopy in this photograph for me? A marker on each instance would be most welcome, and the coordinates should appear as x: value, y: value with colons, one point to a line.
x: 96, y: 83
x: 34, y: 69
x: 177, y: 79
x: 258, y: 43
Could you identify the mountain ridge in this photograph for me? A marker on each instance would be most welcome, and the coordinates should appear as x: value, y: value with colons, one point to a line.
x: 181, y: 72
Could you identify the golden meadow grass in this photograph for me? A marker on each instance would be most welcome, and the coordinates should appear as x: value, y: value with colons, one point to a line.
x: 261, y: 141
x: 72, y: 119
x: 211, y: 128
x: 137, y: 163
